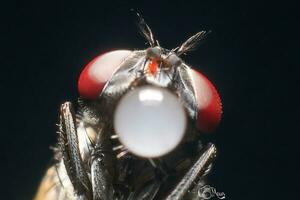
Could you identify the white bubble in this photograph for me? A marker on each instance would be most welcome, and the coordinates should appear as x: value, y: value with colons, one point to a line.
x: 150, y: 121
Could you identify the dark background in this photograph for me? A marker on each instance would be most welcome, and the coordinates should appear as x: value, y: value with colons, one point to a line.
x: 248, y: 56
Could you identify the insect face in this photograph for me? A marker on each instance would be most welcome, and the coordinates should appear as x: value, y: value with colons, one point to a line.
x: 161, y: 59
x: 137, y: 128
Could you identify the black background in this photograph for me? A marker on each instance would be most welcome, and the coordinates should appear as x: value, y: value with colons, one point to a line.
x: 248, y: 56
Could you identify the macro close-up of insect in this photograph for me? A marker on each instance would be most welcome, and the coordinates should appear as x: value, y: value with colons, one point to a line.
x: 194, y: 100
x: 137, y: 131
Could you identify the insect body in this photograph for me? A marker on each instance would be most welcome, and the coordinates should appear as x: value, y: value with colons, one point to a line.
x: 137, y: 130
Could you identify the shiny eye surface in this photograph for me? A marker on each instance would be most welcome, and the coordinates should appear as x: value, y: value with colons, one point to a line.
x: 154, y: 52
x: 208, y: 103
x: 95, y: 75
x: 149, y: 121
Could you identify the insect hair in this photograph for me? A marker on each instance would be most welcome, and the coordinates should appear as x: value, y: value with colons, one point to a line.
x: 145, y: 30
x: 191, y: 43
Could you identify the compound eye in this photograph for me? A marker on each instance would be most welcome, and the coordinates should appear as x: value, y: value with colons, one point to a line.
x: 100, y: 70
x: 150, y: 121
x: 173, y: 60
x: 208, y: 103
x: 154, y: 52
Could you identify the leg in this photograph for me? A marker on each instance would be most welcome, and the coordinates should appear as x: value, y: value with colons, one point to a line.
x: 68, y: 144
x: 148, y: 192
x: 102, y: 168
x: 195, y: 172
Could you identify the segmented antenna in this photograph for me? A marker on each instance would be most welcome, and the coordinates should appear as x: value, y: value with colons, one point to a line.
x: 191, y: 43
x: 145, y: 30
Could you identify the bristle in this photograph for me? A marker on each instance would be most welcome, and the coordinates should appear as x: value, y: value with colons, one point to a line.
x: 152, y: 163
x: 118, y: 147
x: 123, y: 153
x: 114, y: 137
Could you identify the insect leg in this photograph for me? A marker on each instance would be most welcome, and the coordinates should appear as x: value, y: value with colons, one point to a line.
x: 68, y: 144
x: 148, y: 192
x: 194, y: 173
x: 100, y: 175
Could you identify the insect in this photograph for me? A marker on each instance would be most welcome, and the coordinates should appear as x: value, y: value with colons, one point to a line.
x: 137, y: 129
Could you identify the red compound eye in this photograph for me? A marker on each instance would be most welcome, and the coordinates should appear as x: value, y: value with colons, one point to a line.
x: 100, y: 70
x: 208, y: 102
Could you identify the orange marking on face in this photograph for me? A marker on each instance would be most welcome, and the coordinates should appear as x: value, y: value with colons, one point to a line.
x: 153, y: 66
